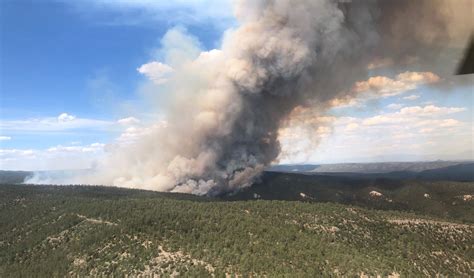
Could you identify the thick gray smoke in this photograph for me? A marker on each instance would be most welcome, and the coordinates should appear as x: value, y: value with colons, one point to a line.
x: 227, y: 105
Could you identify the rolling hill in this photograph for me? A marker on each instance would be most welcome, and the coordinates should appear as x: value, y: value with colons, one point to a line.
x: 437, y: 198
x: 288, y: 223
x: 56, y: 231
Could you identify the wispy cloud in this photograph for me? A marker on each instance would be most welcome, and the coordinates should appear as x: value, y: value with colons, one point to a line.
x: 394, y: 106
x: 156, y: 71
x: 65, y: 117
x: 379, y: 87
x: 62, y: 122
x: 411, y: 97
x: 92, y: 148
x: 139, y: 12
x: 58, y: 157
x: 382, y: 86
x: 411, y: 115
x: 418, y: 131
x: 128, y: 121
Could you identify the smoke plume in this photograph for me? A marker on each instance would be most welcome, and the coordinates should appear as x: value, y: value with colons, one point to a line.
x: 226, y: 107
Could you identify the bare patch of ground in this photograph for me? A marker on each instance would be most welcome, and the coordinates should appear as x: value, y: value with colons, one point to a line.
x: 375, y: 194
x: 96, y: 220
x: 167, y: 258
x: 466, y: 198
x: 427, y: 221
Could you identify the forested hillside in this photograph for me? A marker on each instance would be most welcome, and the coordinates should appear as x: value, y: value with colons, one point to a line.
x: 55, y: 231
x: 13, y: 177
x: 448, y: 199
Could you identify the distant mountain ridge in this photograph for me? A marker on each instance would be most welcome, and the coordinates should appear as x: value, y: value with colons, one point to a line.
x: 375, y: 167
x: 14, y: 177
x: 463, y: 172
x: 293, y: 168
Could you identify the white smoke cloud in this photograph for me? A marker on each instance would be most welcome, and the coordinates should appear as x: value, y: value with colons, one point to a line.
x: 380, y: 63
x: 227, y: 108
x: 178, y: 47
x: 133, y: 133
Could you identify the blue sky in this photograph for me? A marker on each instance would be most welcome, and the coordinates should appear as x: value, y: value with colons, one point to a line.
x: 80, y: 58
x: 70, y: 87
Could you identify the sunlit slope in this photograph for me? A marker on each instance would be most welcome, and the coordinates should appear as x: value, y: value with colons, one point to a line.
x: 56, y: 231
